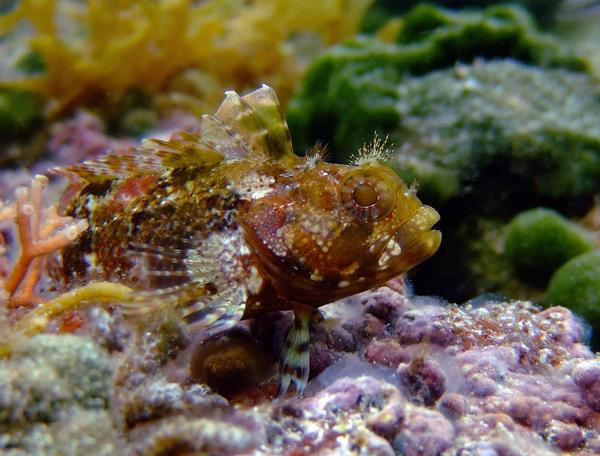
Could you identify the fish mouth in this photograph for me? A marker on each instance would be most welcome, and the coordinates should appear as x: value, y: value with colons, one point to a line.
x: 413, y: 242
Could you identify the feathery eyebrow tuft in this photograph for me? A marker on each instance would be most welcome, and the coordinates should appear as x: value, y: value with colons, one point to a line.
x: 376, y: 151
x: 314, y: 155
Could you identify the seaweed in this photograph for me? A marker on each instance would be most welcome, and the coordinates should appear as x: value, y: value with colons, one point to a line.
x: 86, y: 49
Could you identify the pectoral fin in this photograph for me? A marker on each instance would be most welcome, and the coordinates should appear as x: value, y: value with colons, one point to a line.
x: 295, y: 356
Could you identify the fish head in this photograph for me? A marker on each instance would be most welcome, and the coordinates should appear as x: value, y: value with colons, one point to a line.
x: 333, y: 230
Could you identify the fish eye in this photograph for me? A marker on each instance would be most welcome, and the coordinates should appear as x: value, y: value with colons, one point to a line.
x: 367, y: 197
x: 364, y: 195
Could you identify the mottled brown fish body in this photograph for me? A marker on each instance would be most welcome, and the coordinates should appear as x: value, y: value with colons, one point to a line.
x: 231, y: 224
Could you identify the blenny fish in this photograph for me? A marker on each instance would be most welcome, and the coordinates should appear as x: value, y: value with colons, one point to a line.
x: 230, y: 224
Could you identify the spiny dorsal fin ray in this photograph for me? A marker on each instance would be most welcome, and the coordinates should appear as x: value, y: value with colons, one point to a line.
x: 218, y: 136
x: 115, y: 164
x: 235, y: 112
x: 153, y: 156
x: 258, y: 118
x: 252, y: 124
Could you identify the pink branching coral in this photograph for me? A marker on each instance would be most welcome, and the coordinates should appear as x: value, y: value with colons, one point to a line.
x: 6, y: 213
x: 40, y: 231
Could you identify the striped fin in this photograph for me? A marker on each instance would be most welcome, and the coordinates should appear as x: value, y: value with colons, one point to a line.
x: 203, y: 279
x: 218, y: 313
x: 186, y: 150
x: 159, y: 274
x: 220, y: 137
x: 242, y: 126
x: 259, y: 120
x: 295, y: 356
x: 148, y: 301
x: 153, y: 156
x: 196, y: 306
x: 115, y: 164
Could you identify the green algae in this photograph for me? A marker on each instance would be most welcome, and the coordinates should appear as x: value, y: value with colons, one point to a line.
x: 499, y: 129
x: 488, y: 115
x: 351, y: 91
x: 539, y: 241
x: 544, y: 11
x: 20, y: 111
x: 576, y: 285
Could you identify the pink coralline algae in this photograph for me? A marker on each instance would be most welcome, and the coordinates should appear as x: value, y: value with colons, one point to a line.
x: 437, y: 379
x: 83, y: 138
x: 391, y: 374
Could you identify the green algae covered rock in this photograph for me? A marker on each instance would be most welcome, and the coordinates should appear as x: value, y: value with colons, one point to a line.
x: 576, y: 285
x: 544, y: 11
x: 499, y: 129
x: 495, y: 127
x: 351, y: 91
x: 48, y: 374
x: 19, y: 112
x: 489, y: 116
x: 539, y: 241
x: 493, y: 139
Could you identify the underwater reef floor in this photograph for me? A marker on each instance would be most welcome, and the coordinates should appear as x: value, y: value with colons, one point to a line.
x: 391, y: 374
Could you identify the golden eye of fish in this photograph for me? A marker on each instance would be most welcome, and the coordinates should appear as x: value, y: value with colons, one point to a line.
x: 364, y: 195
x: 367, y: 197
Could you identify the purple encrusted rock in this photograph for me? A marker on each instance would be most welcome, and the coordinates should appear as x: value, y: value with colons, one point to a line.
x: 453, y: 405
x: 587, y: 376
x: 83, y: 138
x: 423, y: 380
x: 387, y: 352
x: 530, y: 411
x: 566, y: 436
x: 424, y: 325
x: 426, y: 432
x: 390, y: 374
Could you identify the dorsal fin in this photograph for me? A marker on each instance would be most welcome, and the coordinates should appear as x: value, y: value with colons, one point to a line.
x: 250, y: 125
x: 123, y: 163
x: 218, y: 136
x: 259, y: 120
x: 153, y: 156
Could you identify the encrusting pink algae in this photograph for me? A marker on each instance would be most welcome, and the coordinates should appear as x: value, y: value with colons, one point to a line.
x: 392, y: 374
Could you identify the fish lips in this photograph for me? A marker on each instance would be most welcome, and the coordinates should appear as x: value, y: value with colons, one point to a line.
x: 413, y: 242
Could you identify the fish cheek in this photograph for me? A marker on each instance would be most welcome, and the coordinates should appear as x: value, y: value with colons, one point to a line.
x: 350, y: 246
x: 265, y: 220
